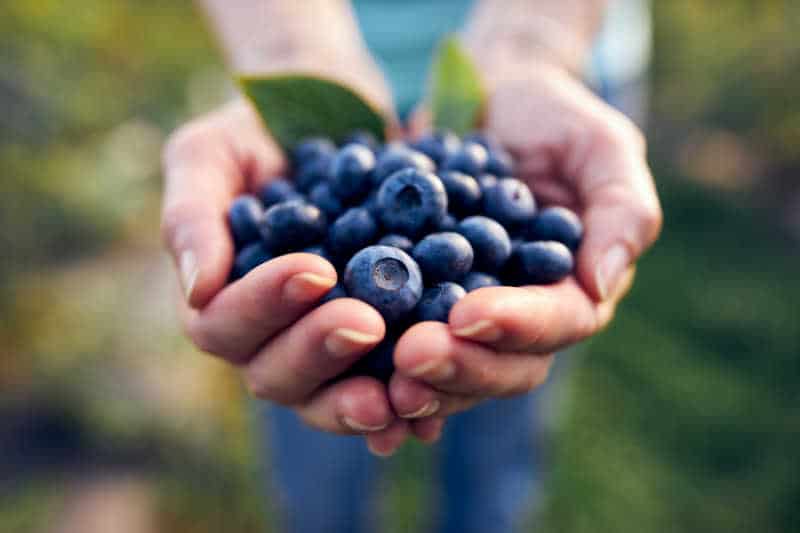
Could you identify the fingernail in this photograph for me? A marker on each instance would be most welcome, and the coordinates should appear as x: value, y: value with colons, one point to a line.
x: 343, y: 342
x: 611, y: 268
x: 377, y: 452
x: 436, y: 370
x: 426, y: 410
x: 482, y: 330
x: 307, y: 287
x: 188, y: 269
x: 362, y: 428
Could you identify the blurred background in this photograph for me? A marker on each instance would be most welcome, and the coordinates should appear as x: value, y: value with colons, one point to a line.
x: 683, y: 416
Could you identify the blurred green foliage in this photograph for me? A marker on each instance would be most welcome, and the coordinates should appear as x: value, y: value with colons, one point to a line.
x: 682, y: 417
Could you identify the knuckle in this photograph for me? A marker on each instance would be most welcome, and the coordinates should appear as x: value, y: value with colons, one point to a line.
x: 174, y: 217
x: 187, y: 139
x: 651, y: 219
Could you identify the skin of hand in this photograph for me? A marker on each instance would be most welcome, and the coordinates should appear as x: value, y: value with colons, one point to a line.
x: 267, y: 324
x: 575, y: 151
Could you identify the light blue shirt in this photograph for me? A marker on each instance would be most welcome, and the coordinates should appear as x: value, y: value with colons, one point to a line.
x: 403, y: 35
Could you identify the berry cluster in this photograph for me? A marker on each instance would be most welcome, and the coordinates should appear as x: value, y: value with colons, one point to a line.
x: 411, y: 228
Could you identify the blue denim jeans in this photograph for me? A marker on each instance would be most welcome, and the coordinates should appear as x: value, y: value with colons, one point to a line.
x: 488, y: 465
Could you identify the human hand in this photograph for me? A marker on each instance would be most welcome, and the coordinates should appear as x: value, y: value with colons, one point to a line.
x: 573, y: 150
x: 266, y: 323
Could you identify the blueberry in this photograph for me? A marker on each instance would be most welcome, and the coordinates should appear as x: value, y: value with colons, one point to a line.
x: 464, y: 195
x: 483, y: 138
x: 398, y: 241
x: 292, y: 226
x: 244, y: 217
x: 313, y: 172
x: 351, y: 171
x: 336, y: 292
x: 364, y: 138
x: 385, y: 277
x: 490, y: 242
x: 397, y: 158
x: 322, y: 196
x: 510, y: 202
x: 448, y: 223
x: 557, y: 224
x: 378, y: 363
x: 277, y: 191
x: 437, y: 301
x: 321, y: 251
x: 478, y: 280
x: 486, y: 181
x: 540, y: 263
x: 249, y: 258
x: 443, y: 257
x: 500, y: 163
x: 411, y: 201
x: 371, y: 205
x: 354, y: 230
x: 311, y: 149
x: 470, y: 159
x: 438, y: 145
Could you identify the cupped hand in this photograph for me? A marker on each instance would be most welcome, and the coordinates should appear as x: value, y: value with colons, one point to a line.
x: 267, y: 324
x: 573, y: 150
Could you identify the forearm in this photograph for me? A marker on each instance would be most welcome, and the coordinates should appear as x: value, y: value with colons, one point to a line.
x: 506, y: 34
x: 320, y: 37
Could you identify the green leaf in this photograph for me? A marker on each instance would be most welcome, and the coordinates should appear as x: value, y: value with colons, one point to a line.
x: 295, y: 106
x: 456, y: 92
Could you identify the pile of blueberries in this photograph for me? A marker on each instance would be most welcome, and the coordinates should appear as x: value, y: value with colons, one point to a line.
x: 410, y: 227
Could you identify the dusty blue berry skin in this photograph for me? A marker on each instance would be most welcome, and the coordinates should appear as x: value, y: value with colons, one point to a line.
x: 490, y: 242
x: 322, y: 196
x: 541, y: 263
x: 336, y: 292
x: 411, y: 202
x: 354, y: 230
x: 500, y: 163
x: 483, y: 138
x: 292, y: 225
x: 311, y: 149
x: 351, y: 171
x: 438, y: 145
x: 249, y: 258
x: 321, y: 251
x: 398, y: 241
x: 437, y: 301
x: 470, y: 159
x: 510, y: 202
x: 364, y: 138
x: 478, y: 280
x: 244, y: 217
x: 557, y: 224
x: 464, y: 194
x: 448, y: 223
x: 385, y: 277
x: 443, y: 256
x: 277, y: 191
x: 397, y: 158
x: 486, y: 181
x: 313, y: 172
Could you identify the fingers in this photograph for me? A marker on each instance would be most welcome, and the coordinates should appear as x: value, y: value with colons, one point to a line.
x: 317, y: 348
x: 428, y: 430
x: 621, y: 210
x: 355, y: 406
x: 417, y: 401
x: 386, y: 442
x: 430, y: 354
x: 251, y: 310
x: 535, y: 319
x: 206, y: 163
